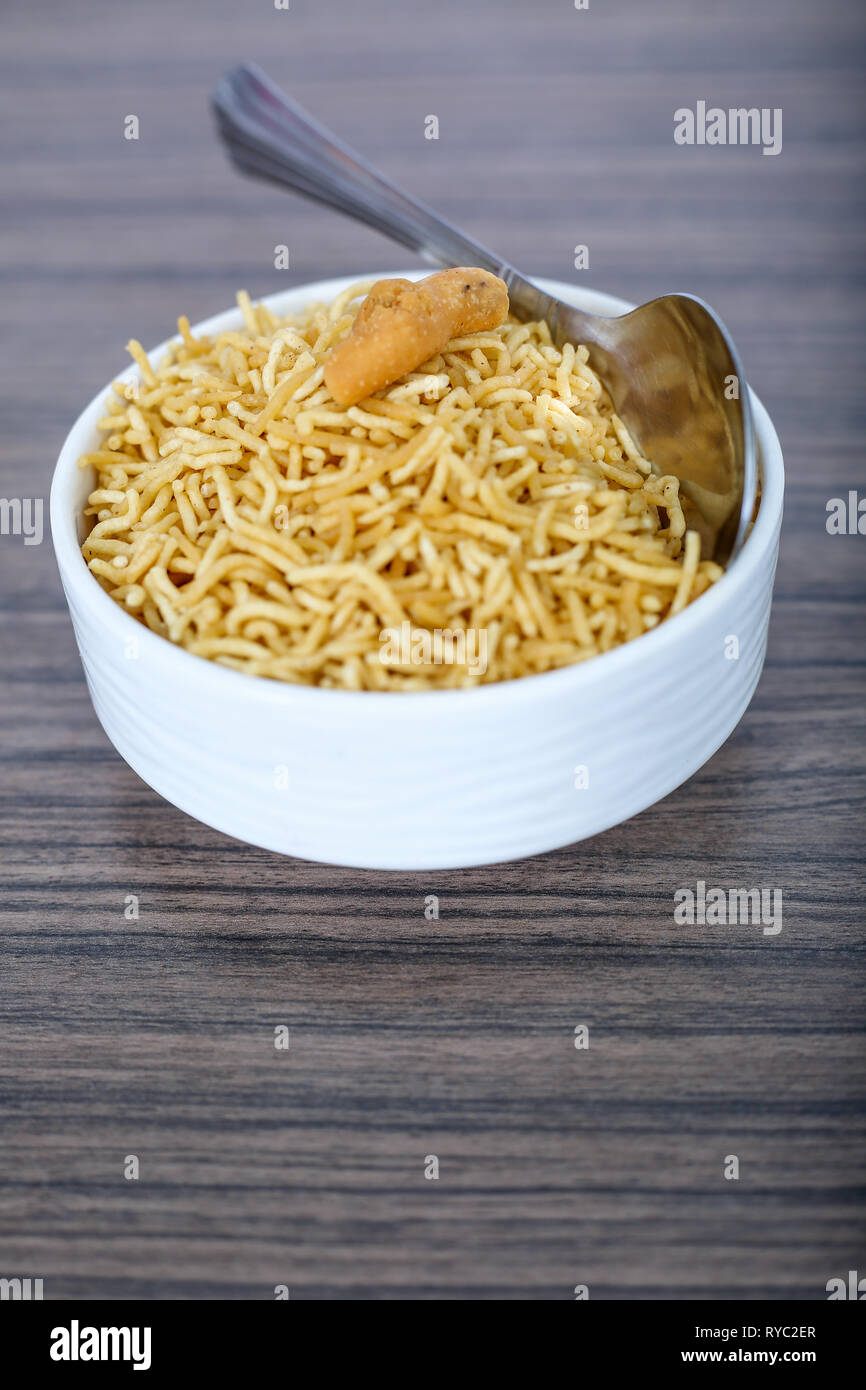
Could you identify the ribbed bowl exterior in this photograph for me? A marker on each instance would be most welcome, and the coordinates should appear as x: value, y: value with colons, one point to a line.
x: 444, y: 779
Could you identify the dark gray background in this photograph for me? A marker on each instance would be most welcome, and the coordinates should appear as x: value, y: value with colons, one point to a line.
x: 155, y: 1037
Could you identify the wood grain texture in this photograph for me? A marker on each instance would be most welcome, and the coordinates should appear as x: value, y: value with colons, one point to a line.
x: 155, y: 1037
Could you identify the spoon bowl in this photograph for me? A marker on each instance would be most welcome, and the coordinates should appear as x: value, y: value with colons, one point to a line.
x: 670, y: 366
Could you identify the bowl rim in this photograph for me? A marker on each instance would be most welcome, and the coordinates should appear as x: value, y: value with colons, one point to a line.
x: 80, y: 584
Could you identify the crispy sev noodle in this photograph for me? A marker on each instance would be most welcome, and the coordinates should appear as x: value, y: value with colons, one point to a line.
x: 241, y: 514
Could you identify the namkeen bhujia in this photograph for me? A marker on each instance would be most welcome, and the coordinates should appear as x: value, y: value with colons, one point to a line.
x: 400, y: 492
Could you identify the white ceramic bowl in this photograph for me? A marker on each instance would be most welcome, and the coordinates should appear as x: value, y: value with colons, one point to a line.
x: 434, y: 780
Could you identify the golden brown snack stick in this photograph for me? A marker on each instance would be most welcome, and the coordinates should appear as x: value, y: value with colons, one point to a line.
x: 401, y: 323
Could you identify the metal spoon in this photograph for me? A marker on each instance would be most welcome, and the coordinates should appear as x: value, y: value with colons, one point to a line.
x: 670, y: 366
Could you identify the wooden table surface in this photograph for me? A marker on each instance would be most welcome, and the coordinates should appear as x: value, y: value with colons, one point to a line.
x: 155, y: 1037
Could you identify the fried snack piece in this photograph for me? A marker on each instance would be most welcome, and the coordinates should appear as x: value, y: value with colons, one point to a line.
x: 403, y: 322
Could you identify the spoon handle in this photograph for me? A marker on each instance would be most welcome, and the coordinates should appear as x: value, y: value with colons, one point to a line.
x: 269, y: 136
